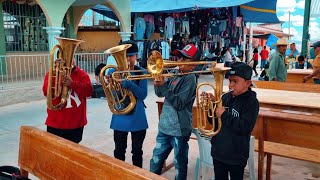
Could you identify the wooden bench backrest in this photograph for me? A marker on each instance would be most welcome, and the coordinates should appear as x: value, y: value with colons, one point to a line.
x: 50, y: 157
x: 301, y: 87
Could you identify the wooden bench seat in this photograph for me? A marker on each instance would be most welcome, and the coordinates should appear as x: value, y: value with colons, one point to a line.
x: 289, y: 151
x: 301, y: 87
x: 51, y: 157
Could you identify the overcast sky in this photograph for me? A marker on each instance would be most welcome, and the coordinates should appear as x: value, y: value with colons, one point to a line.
x: 296, y: 7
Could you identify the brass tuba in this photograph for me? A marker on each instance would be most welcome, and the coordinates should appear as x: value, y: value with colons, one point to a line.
x: 67, y: 49
x: 115, y: 94
x: 206, y: 108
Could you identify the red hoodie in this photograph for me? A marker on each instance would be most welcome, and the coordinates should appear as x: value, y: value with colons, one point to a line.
x: 74, y: 114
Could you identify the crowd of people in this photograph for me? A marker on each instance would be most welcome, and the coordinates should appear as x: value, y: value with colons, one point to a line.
x: 175, y: 124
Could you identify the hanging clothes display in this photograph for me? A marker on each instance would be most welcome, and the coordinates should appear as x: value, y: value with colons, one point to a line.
x: 139, y: 28
x: 210, y: 29
x: 169, y: 27
x: 149, y: 25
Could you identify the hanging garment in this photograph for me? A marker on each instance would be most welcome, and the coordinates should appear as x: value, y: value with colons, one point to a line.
x: 185, y: 25
x: 169, y: 27
x: 139, y: 28
x: 165, y: 50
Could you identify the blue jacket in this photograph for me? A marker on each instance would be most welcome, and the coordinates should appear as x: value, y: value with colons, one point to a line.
x: 139, y: 28
x: 136, y: 120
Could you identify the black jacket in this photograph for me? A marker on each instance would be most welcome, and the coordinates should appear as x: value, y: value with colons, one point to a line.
x: 231, y: 144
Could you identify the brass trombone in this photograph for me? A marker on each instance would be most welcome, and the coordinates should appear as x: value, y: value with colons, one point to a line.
x: 155, y: 68
x: 206, y: 108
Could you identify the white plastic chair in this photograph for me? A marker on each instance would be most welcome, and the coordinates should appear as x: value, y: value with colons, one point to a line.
x: 204, y: 161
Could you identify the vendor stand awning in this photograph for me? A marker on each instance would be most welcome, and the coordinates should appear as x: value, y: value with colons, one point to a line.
x: 180, y: 6
x: 260, y: 11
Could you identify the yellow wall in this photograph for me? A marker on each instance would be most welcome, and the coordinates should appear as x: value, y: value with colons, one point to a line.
x: 98, y: 41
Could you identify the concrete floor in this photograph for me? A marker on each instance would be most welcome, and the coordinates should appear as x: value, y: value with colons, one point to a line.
x: 98, y: 136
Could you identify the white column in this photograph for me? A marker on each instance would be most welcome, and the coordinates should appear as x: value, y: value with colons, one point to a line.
x: 250, y: 42
x: 125, y: 36
x: 52, y: 33
x: 244, y: 45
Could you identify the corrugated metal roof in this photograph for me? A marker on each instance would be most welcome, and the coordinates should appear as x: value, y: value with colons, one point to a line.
x: 315, y: 8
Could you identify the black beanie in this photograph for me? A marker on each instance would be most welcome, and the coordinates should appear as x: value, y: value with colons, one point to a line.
x: 133, y: 50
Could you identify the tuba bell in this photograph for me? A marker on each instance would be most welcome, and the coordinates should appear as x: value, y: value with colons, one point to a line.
x: 206, y: 120
x: 67, y: 49
x: 115, y: 94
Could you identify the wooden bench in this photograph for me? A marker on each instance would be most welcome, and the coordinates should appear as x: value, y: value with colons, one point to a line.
x: 289, y: 151
x: 287, y: 135
x: 301, y: 87
x: 50, y: 157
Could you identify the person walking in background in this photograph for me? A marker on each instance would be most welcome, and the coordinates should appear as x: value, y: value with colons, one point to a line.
x: 228, y: 59
x: 264, y: 57
x: 97, y: 72
x: 316, y: 65
x: 277, y: 68
x: 255, y: 59
x: 69, y: 121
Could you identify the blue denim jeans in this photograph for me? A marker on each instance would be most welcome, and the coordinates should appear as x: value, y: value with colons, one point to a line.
x: 164, y: 145
x: 316, y: 81
x: 263, y: 62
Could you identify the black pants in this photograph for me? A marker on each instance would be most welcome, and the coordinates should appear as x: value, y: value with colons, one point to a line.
x: 74, y: 135
x: 222, y: 170
x: 254, y: 67
x: 120, y: 140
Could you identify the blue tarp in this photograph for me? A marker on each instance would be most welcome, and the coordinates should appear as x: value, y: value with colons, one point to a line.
x: 272, y: 39
x: 260, y: 11
x: 104, y: 11
x: 180, y: 5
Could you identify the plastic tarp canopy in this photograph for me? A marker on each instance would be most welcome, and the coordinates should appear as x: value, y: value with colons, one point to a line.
x: 315, y: 8
x: 104, y: 10
x: 260, y: 11
x: 272, y: 39
x: 180, y: 5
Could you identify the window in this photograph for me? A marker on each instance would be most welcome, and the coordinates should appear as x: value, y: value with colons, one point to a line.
x: 23, y: 27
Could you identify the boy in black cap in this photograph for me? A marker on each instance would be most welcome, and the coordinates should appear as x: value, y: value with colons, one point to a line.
x: 300, y: 63
x: 230, y: 147
x: 175, y: 123
x: 136, y: 120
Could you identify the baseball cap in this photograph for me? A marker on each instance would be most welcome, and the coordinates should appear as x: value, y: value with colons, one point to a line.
x: 189, y: 51
x: 241, y: 69
x: 133, y: 50
x: 316, y: 44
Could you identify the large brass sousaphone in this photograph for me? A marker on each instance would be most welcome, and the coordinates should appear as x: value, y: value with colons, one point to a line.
x: 115, y: 94
x: 206, y: 120
x: 67, y: 49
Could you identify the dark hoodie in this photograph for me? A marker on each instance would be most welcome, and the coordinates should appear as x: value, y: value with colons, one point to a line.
x: 231, y: 144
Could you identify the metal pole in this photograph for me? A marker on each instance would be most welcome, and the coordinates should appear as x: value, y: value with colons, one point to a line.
x: 289, y: 24
x: 305, y: 35
x: 244, y: 45
x: 250, y: 41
